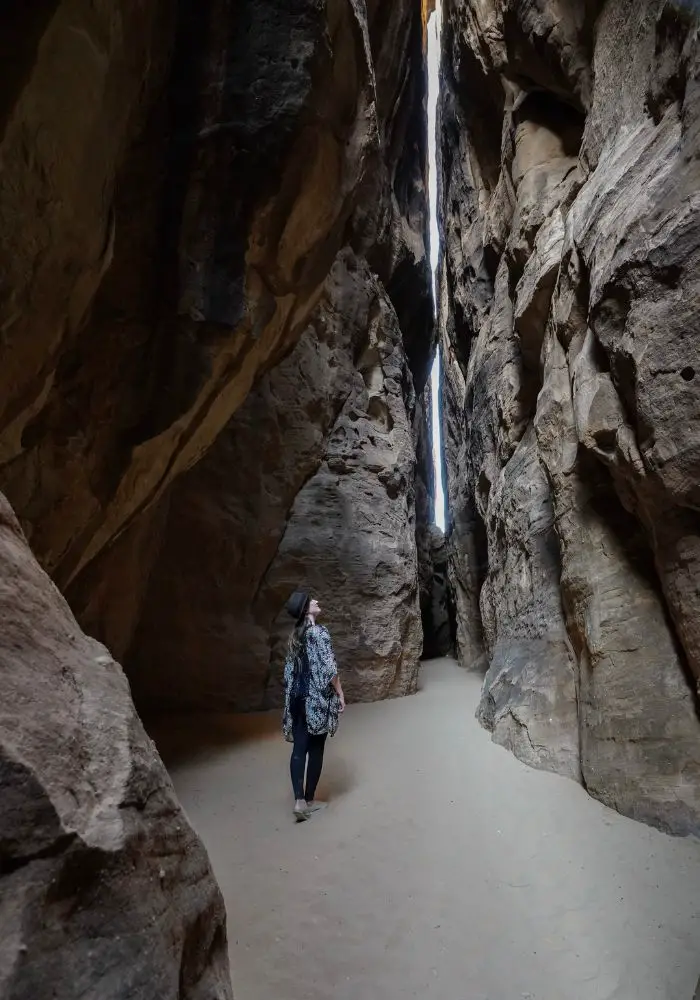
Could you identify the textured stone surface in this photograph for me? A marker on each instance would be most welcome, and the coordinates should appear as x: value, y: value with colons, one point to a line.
x: 169, y: 215
x: 438, y: 635
x: 249, y: 504
x: 247, y: 144
x: 178, y: 183
x: 569, y: 309
x: 311, y: 485
x: 105, y: 890
x: 435, y: 595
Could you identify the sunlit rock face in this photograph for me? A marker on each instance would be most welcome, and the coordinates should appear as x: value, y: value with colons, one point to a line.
x: 572, y: 371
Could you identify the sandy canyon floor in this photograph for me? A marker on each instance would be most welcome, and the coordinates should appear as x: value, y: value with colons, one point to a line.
x: 442, y: 868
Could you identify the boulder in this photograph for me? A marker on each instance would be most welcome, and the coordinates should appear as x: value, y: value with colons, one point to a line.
x: 106, y: 889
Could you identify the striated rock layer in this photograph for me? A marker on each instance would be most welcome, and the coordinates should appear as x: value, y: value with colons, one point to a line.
x: 570, y: 306
x: 102, y: 879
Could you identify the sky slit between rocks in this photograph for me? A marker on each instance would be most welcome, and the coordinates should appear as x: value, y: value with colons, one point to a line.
x: 434, y: 28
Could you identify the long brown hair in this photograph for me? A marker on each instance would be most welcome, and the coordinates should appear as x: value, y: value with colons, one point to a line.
x: 297, y: 638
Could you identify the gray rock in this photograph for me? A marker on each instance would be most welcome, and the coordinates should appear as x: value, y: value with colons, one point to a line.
x: 441, y: 612
x: 105, y: 888
x: 569, y: 303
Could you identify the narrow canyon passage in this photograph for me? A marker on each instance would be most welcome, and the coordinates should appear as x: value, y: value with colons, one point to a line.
x: 443, y: 867
x: 397, y: 305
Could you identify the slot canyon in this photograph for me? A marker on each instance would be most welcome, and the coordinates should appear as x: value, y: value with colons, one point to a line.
x: 223, y: 347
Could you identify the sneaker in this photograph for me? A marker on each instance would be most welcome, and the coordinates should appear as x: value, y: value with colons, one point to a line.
x: 314, y: 807
x: 301, y: 812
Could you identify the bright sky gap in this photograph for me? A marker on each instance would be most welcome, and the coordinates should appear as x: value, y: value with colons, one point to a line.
x: 434, y: 26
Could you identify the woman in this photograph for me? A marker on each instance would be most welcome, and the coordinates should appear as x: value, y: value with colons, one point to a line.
x: 313, y: 699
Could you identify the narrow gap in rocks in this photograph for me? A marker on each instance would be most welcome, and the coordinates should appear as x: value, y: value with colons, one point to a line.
x: 434, y: 36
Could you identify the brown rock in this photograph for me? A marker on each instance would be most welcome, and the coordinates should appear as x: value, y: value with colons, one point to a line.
x: 170, y: 211
x: 106, y: 889
x: 239, y: 502
x: 310, y: 486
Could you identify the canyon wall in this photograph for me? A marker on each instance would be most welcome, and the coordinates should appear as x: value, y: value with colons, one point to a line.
x: 170, y: 213
x: 216, y: 329
x: 569, y: 311
x: 312, y: 483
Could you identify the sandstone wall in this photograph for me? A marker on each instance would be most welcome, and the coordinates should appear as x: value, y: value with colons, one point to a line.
x: 313, y: 481
x: 569, y: 313
x: 198, y: 202
x: 170, y: 211
x: 310, y: 485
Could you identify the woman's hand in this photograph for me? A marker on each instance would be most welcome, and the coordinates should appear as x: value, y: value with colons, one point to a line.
x: 337, y: 687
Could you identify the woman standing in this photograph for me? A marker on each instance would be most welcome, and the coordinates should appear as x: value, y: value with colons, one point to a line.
x: 313, y: 700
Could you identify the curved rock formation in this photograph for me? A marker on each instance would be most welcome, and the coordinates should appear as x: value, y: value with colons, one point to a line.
x: 310, y: 485
x: 102, y: 879
x: 570, y: 302
x: 169, y: 215
x: 312, y: 482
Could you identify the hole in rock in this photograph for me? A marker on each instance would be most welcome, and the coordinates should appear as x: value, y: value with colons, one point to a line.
x: 688, y: 373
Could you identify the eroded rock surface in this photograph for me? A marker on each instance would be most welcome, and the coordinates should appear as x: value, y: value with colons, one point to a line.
x: 176, y: 184
x: 314, y: 481
x: 197, y: 201
x: 105, y: 889
x: 310, y: 485
x: 171, y: 265
x: 570, y: 302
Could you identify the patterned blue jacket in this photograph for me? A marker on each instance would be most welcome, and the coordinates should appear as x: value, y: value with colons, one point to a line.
x: 322, y: 703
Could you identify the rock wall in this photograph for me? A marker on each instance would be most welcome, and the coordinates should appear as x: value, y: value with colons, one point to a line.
x: 310, y: 485
x: 570, y: 303
x: 169, y: 212
x: 203, y: 207
x: 313, y: 481
x: 102, y: 879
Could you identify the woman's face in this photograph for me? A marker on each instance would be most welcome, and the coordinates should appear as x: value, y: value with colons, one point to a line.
x: 314, y: 607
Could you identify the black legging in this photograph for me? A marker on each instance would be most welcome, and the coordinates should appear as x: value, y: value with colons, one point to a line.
x: 305, y: 745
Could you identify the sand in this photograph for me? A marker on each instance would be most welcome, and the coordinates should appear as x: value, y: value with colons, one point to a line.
x: 442, y: 868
